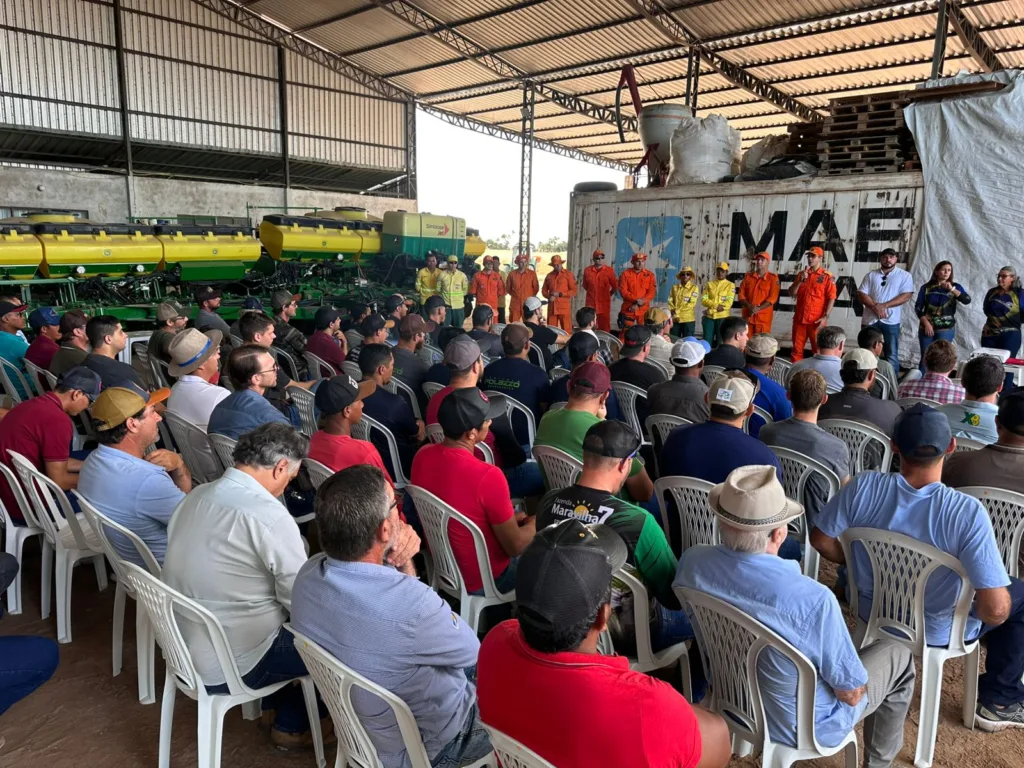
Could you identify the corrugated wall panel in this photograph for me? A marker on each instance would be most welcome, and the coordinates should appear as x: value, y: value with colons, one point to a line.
x: 88, y: 22
x: 188, y: 12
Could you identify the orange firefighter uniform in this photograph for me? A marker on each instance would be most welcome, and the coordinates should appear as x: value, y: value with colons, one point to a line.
x: 600, y: 283
x: 757, y: 289
x: 489, y: 289
x: 815, y: 290
x: 520, y: 286
x: 638, y: 289
x: 559, y: 307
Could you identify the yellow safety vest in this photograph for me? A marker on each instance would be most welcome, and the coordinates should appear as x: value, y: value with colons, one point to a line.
x: 452, y: 287
x: 682, y: 301
x: 718, y: 292
x: 426, y: 282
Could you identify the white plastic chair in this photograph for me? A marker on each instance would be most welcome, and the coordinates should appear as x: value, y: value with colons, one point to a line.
x: 797, y: 471
x: 511, y: 406
x: 730, y: 643
x: 710, y: 373
x: 305, y: 402
x: 431, y: 354
x: 9, y: 374
x: 431, y: 388
x: 236, y: 341
x: 536, y: 356
x: 224, y: 447
x: 403, y: 389
x: 901, y: 567
x: 16, y: 535
x: 511, y: 753
x: 665, y: 369
x: 860, y: 436
x: 560, y: 468
x: 318, y: 367
x: 558, y: 372
x: 286, y: 361
x: 35, y: 375
x: 436, y: 517
x: 435, y: 433
x: 354, y: 338
x: 143, y: 631
x: 194, y: 446
x: 614, y: 342
x: 363, y: 431
x: 627, y: 395
x: 165, y: 608
x: 910, y: 402
x: 65, y: 534
x: 556, y: 406
x: 1006, y: 511
x: 660, y: 426
x: 352, y: 368
x: 318, y: 473
x: 882, y: 385
x: 159, y: 370
x: 698, y: 524
x: 762, y: 414
x: 779, y: 371
x: 967, y: 444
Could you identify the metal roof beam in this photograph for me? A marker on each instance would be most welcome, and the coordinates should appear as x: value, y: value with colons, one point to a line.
x: 334, y: 19
x: 970, y: 36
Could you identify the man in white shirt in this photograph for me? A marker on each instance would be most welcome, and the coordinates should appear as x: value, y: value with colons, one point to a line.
x: 883, y: 292
x: 195, y: 360
x: 660, y: 323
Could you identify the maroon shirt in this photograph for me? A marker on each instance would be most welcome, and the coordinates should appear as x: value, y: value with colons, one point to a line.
x: 326, y: 348
x: 40, y: 431
x: 41, y: 351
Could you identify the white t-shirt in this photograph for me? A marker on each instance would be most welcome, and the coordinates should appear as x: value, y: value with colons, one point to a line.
x: 194, y: 399
x: 882, y: 288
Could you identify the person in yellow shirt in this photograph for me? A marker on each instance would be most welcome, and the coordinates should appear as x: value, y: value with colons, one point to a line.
x: 717, y: 298
x: 452, y: 286
x: 682, y: 302
x: 426, y: 279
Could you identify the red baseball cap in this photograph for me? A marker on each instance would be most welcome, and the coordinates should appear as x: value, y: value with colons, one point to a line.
x: 590, y: 378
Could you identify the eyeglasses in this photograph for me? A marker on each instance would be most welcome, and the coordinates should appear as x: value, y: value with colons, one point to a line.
x: 275, y: 369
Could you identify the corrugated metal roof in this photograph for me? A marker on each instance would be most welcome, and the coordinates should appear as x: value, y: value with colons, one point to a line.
x: 812, y: 50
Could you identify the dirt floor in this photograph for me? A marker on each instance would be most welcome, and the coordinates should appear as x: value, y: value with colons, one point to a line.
x: 84, y: 718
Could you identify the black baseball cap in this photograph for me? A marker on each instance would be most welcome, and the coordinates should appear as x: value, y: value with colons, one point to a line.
x: 251, y: 302
x: 83, y: 379
x: 339, y: 392
x: 922, y: 432
x: 1011, y: 411
x: 581, y: 345
x: 635, y: 338
x: 612, y: 439
x: 6, y: 307
x: 373, y: 323
x: 565, y: 572
x: 205, y: 293
x: 466, y: 409
x: 432, y: 303
x: 394, y: 301
x: 324, y: 317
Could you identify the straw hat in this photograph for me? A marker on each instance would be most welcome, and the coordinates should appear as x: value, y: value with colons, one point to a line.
x: 752, y: 499
x: 190, y: 348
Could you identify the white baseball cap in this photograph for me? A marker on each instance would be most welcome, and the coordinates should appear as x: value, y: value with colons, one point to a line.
x: 686, y: 354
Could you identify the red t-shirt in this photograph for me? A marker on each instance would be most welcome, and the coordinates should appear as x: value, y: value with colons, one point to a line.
x: 41, y: 351
x: 580, y: 710
x: 435, y: 405
x: 326, y: 348
x: 338, y: 452
x: 476, y: 489
x: 40, y: 431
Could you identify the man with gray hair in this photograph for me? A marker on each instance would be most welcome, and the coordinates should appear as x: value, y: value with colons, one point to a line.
x: 827, y: 360
x: 875, y: 684
x: 380, y: 620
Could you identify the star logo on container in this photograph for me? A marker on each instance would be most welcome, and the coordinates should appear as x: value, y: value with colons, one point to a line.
x: 661, y: 238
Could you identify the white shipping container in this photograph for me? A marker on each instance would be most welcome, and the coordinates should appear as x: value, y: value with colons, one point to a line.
x: 852, y: 218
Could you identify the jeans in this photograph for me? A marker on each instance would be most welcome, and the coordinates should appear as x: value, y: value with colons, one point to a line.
x: 281, y: 662
x: 25, y: 664
x: 1008, y: 340
x: 524, y: 480
x: 1001, y: 684
x: 946, y: 334
x: 669, y: 627
x: 891, y: 337
x: 470, y: 745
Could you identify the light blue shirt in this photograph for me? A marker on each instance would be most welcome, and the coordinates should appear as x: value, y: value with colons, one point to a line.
x: 242, y: 412
x: 827, y: 365
x: 937, y: 515
x: 399, y: 633
x: 805, y: 614
x: 973, y: 420
x: 133, y: 492
x: 13, y: 349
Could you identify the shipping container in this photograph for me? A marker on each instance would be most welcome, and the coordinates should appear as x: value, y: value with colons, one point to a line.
x: 852, y: 218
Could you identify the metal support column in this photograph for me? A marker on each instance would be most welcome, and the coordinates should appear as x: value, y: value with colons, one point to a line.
x: 939, y: 53
x: 410, y: 148
x: 689, y: 76
x: 526, y: 168
x: 282, y: 108
x: 122, y: 98
x: 695, y: 90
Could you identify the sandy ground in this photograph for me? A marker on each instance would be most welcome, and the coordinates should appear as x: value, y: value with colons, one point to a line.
x: 84, y: 717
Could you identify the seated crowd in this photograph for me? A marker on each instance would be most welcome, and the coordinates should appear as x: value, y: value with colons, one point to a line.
x: 413, y: 419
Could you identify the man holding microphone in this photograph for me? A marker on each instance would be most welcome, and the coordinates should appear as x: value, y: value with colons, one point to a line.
x: 815, y: 292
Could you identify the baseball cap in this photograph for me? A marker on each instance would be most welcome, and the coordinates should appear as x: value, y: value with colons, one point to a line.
x: 857, y: 359
x: 612, y: 439
x: 522, y: 258
x: 168, y: 310
x: 763, y: 255
x: 687, y: 354
x: 702, y: 342
x: 373, y: 323
x: 564, y: 574
x: 432, y: 303
x: 339, y: 392
x: 453, y: 259
x: 516, y: 335
x: 467, y: 408
x: 723, y: 265
x: 394, y: 301
x: 205, y: 293
x: 42, y: 317
x: 281, y: 299
x: 656, y: 316
x: 921, y: 432
x: 733, y: 392
x: 638, y: 257
x: 461, y: 353
x: 635, y: 338
x: 762, y: 346
x: 413, y: 324
x: 556, y: 259
x: 598, y: 254
x: 115, y: 405
x: 580, y: 346
x: 533, y: 303
x: 591, y: 378
x: 1011, y: 411
x: 251, y: 302
x: 6, y: 307
x: 816, y: 251
x: 84, y: 379
x: 324, y: 317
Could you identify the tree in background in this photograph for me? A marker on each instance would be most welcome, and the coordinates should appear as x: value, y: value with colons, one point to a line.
x: 553, y: 244
x: 502, y: 243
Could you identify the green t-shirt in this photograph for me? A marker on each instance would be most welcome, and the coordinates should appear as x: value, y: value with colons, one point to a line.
x: 565, y: 430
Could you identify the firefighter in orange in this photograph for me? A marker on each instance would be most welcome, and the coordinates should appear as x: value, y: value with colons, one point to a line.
x: 488, y: 287
x: 559, y: 288
x: 600, y: 284
x: 638, y: 287
x: 815, y: 292
x: 520, y: 284
x: 759, y: 292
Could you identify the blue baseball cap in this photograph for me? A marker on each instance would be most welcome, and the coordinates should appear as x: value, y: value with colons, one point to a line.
x: 251, y: 302
x: 922, y: 432
x: 695, y: 340
x: 84, y: 379
x: 42, y: 317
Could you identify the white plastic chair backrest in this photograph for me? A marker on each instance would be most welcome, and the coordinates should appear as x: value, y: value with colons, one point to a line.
x: 710, y: 373
x: 779, y: 371
x: 363, y: 431
x: 433, y: 354
x: 403, y: 389
x: 236, y: 340
x: 351, y: 367
x: 661, y: 366
x: 883, y: 388
x: 511, y: 406
x: 627, y: 395
x: 318, y: 473
x: 51, y: 379
x: 224, y: 447
x: 51, y: 505
x: 435, y: 433
x: 1006, y: 511
x: 613, y: 342
x: 558, y: 372
x: 910, y: 402
x: 431, y: 388
x: 435, y: 516
x: 35, y: 374
x: 158, y: 370
x: 166, y: 607
x: 336, y: 684
x: 538, y: 358
x: 560, y: 468
x: 100, y: 523
x: 10, y: 374
x: 859, y: 436
x: 900, y: 569
x: 511, y: 753
x: 28, y: 511
x: 731, y: 643
x: 305, y: 402
x: 628, y: 576
x: 557, y: 406
x: 798, y: 469
x: 762, y: 414
x: 967, y: 444
x: 485, y: 449
x: 193, y: 445
x: 699, y: 523
x: 559, y: 331
x: 318, y: 367
x: 286, y: 361
x: 660, y: 426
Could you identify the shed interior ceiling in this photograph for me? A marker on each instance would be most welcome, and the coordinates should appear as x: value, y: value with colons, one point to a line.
x: 810, y: 50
